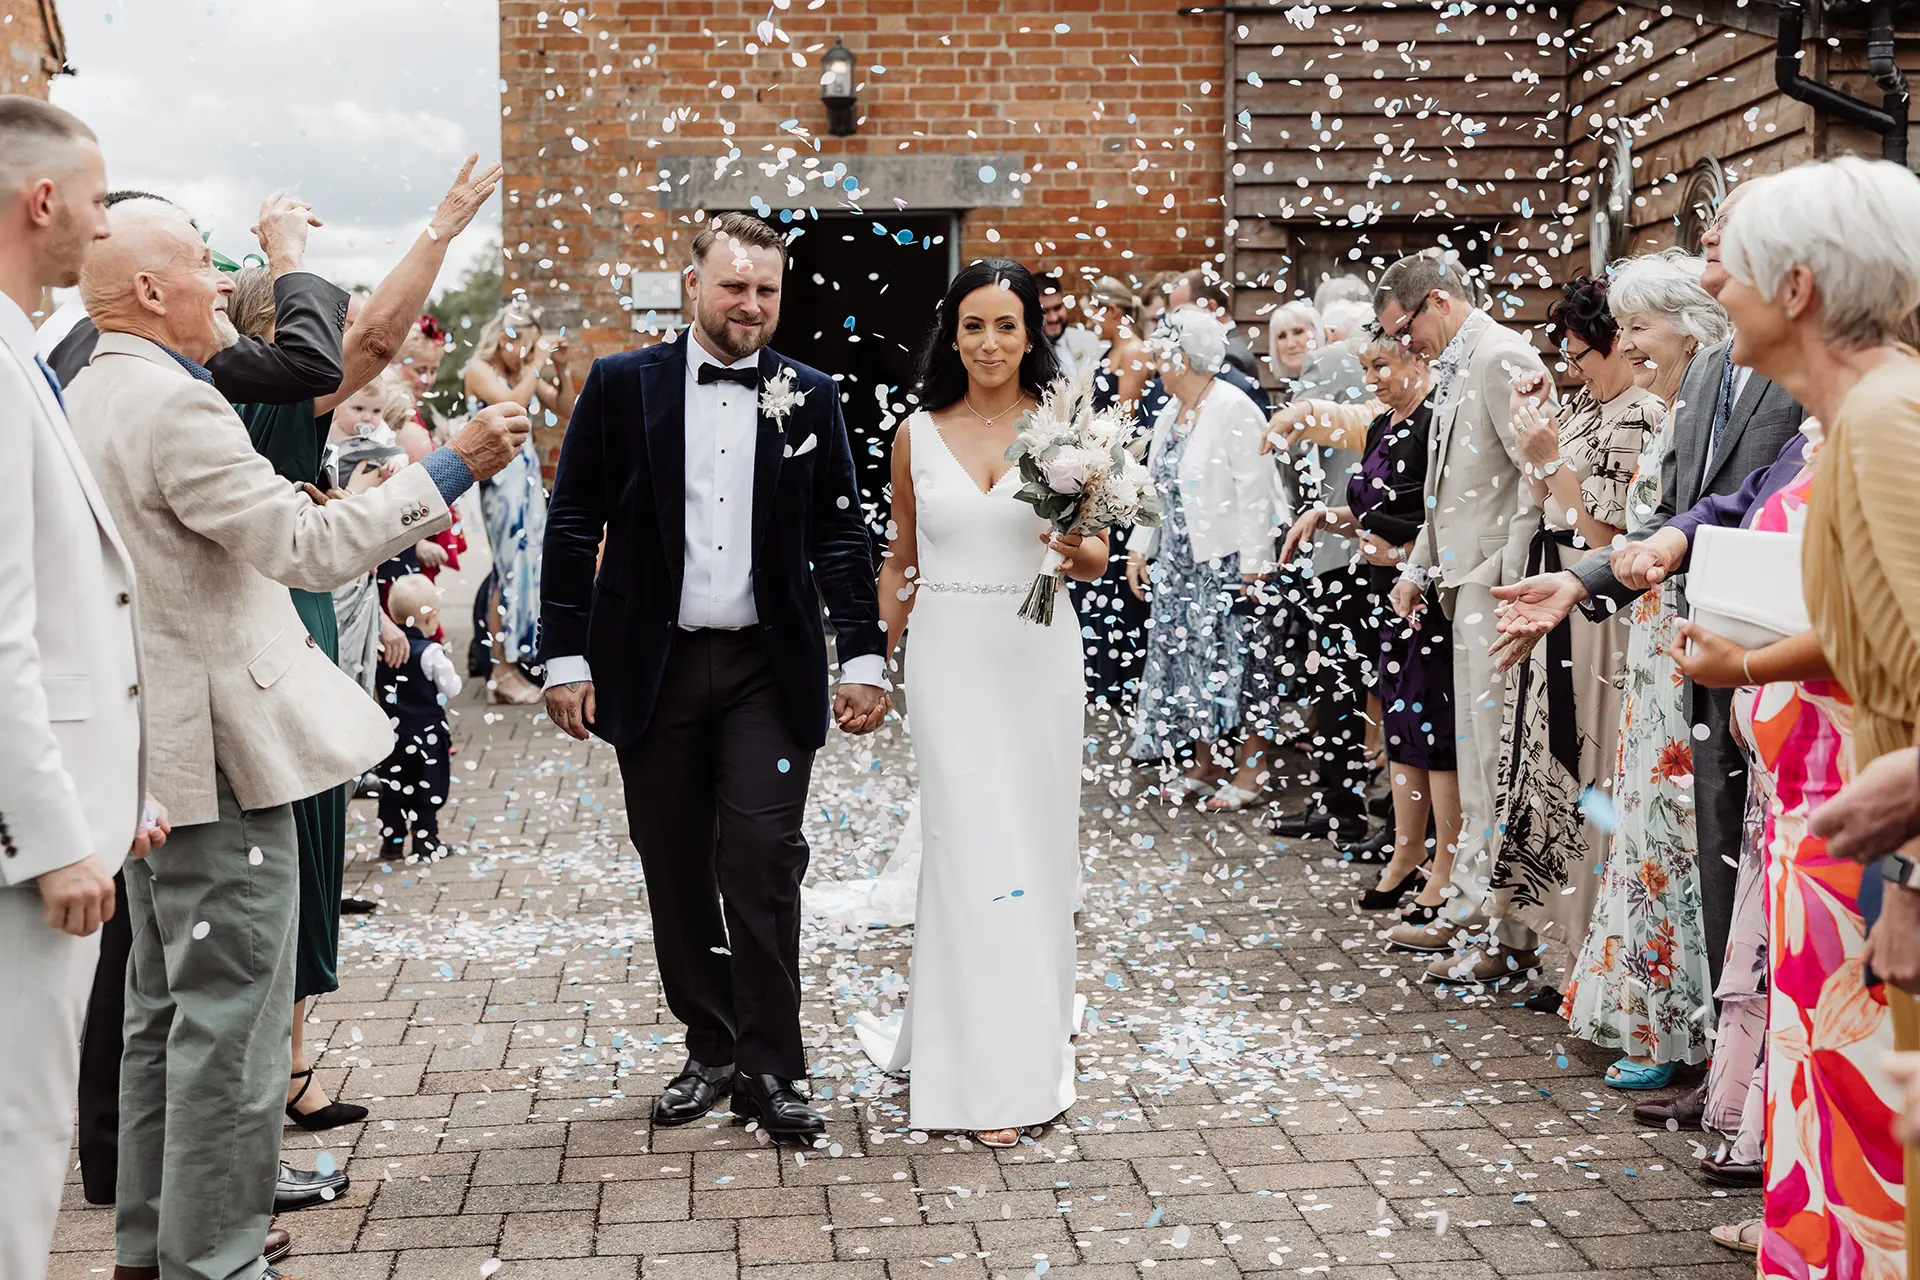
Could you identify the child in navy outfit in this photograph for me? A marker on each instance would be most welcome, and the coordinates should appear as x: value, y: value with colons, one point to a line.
x: 413, y: 781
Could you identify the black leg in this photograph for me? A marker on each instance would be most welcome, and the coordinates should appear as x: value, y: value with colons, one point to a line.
x: 669, y: 779
x: 99, y: 1110
x: 762, y: 790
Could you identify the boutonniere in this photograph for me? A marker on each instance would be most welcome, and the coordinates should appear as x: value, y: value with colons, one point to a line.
x: 778, y: 397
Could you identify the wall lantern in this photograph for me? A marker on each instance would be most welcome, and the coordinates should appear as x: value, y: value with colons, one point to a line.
x: 836, y: 90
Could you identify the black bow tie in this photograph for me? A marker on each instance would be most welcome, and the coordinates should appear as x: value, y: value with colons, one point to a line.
x: 749, y: 377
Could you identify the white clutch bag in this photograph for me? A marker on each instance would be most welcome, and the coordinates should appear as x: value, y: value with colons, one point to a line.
x: 1744, y: 584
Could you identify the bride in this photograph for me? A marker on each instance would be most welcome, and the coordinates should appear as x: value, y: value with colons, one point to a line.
x: 996, y: 707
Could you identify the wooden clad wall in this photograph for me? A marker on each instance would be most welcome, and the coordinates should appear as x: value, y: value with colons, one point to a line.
x: 1446, y: 128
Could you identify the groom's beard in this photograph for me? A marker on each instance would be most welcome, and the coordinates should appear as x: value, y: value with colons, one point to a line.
x: 730, y: 342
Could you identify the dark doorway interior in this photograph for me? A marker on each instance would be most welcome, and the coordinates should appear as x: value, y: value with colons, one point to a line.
x: 859, y: 297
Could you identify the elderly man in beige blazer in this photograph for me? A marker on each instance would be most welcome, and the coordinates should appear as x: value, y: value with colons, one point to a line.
x: 70, y: 801
x: 1480, y: 519
x: 245, y: 714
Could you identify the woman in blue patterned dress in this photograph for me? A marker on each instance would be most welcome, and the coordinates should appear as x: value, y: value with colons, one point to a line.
x: 510, y: 363
x: 1214, y: 543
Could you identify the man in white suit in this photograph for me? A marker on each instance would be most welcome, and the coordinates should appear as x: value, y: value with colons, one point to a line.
x: 70, y: 718
x: 1480, y: 521
x: 245, y: 716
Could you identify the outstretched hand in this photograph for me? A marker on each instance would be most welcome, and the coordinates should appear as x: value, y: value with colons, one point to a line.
x: 1529, y: 609
x: 469, y: 191
x: 860, y: 708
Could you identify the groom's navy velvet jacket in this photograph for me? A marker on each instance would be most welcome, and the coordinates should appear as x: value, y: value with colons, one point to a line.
x: 623, y: 468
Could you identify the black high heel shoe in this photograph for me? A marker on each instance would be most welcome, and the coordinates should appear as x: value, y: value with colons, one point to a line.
x: 331, y: 1116
x: 1374, y: 900
x: 1419, y: 915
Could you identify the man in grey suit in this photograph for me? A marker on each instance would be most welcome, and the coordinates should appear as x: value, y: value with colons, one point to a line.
x: 244, y: 716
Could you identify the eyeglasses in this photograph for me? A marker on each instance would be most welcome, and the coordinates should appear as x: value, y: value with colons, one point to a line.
x: 1402, y: 333
x: 1575, y: 357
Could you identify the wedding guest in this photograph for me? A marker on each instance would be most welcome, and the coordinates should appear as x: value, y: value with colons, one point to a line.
x: 1113, y: 615
x: 1214, y: 542
x: 416, y: 775
x: 1480, y: 519
x: 1824, y: 263
x: 1203, y: 288
x: 1383, y: 513
x: 246, y: 716
x: 510, y: 365
x: 1075, y: 349
x: 1563, y: 701
x: 70, y: 797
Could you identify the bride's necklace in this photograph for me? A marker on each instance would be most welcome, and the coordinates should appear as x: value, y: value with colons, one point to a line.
x: 968, y: 400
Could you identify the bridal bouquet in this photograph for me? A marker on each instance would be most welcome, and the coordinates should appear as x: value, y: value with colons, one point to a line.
x: 1076, y: 472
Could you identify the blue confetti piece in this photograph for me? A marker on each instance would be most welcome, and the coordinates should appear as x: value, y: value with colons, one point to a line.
x: 1560, y: 1061
x: 988, y: 173
x: 446, y: 971
x: 1018, y: 893
x: 785, y: 766
x: 323, y: 1164
x: 1596, y: 806
x: 1153, y: 1219
x: 847, y: 324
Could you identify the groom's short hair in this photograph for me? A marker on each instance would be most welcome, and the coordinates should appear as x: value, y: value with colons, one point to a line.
x: 742, y: 228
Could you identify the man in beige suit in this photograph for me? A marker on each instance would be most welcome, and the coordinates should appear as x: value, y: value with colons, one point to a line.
x: 70, y: 801
x: 1480, y: 520
x: 245, y: 714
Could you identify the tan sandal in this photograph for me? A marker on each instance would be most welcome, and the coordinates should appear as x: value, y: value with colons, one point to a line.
x: 1741, y: 1237
x: 986, y: 1137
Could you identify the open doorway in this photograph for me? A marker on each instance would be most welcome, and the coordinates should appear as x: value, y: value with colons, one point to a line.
x: 859, y: 297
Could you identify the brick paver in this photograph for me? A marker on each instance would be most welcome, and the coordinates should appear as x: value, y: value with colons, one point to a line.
x: 1265, y: 1090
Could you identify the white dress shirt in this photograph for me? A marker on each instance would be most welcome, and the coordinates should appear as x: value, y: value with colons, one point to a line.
x: 716, y: 585
x: 1741, y: 376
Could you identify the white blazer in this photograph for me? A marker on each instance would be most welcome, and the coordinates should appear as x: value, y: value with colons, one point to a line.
x: 71, y: 722
x: 1226, y: 487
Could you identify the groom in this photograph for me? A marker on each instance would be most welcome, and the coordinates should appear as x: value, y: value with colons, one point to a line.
x: 722, y: 479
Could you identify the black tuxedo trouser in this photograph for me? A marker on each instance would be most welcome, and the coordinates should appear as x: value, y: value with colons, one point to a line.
x: 100, y: 1043
x: 1719, y: 808
x: 716, y: 791
x: 1345, y: 633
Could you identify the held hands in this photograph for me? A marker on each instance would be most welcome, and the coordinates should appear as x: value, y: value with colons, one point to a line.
x: 1648, y: 563
x: 570, y: 707
x: 1710, y: 661
x: 77, y: 898
x: 491, y: 438
x: 282, y: 231
x: 1536, y: 427
x: 1874, y: 814
x: 463, y: 199
x: 860, y: 708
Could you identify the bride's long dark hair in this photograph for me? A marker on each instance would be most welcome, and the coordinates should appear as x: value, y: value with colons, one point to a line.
x: 943, y: 378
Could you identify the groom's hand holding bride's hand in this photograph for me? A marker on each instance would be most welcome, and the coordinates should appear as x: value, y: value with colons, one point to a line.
x: 860, y: 708
x: 570, y: 706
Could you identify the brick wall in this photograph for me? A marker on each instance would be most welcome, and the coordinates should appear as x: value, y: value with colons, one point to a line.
x: 31, y: 46
x: 1115, y: 106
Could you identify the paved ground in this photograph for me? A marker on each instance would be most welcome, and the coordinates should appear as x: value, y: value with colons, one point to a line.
x: 1264, y: 1089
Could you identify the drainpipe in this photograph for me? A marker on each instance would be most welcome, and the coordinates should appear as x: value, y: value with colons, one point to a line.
x: 1890, y: 120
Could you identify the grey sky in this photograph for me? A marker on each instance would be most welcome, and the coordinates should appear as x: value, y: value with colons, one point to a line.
x: 363, y: 107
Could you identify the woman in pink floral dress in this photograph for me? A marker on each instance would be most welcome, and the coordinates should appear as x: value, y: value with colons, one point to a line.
x: 1835, y: 1200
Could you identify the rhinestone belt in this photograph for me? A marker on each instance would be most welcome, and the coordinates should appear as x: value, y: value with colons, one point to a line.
x: 976, y: 588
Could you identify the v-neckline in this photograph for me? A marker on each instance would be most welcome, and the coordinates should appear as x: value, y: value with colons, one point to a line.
x: 973, y: 484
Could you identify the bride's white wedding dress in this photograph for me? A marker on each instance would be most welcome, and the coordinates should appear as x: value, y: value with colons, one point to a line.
x: 996, y: 705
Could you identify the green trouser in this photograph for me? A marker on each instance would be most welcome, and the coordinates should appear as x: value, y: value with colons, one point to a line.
x: 203, y: 1078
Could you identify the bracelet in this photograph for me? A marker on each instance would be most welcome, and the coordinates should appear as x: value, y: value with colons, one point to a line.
x: 1747, y: 671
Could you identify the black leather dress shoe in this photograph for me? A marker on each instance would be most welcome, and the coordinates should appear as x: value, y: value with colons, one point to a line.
x: 773, y: 1102
x: 1317, y: 823
x: 279, y: 1244
x: 1728, y: 1174
x: 297, y: 1188
x: 692, y: 1094
x: 1377, y: 847
x: 1687, y: 1110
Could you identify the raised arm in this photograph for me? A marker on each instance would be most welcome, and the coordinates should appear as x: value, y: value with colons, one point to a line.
x: 303, y: 362
x: 394, y: 308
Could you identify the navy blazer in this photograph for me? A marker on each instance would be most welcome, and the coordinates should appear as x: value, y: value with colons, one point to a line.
x: 623, y: 469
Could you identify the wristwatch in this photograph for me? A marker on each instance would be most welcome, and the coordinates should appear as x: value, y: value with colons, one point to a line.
x: 1898, y: 869
x: 1550, y: 468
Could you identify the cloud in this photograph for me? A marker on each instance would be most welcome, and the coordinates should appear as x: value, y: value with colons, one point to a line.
x: 363, y: 107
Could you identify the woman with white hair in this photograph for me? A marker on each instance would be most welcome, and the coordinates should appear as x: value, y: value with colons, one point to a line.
x: 1824, y: 267
x: 1214, y: 542
x: 1641, y: 975
x: 511, y: 363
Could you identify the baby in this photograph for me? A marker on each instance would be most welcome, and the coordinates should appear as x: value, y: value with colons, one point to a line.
x: 413, y: 781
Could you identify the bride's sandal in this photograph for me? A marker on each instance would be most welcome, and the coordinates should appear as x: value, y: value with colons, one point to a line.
x: 997, y: 1137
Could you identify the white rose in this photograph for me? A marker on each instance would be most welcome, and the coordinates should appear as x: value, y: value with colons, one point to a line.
x: 1067, y: 470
